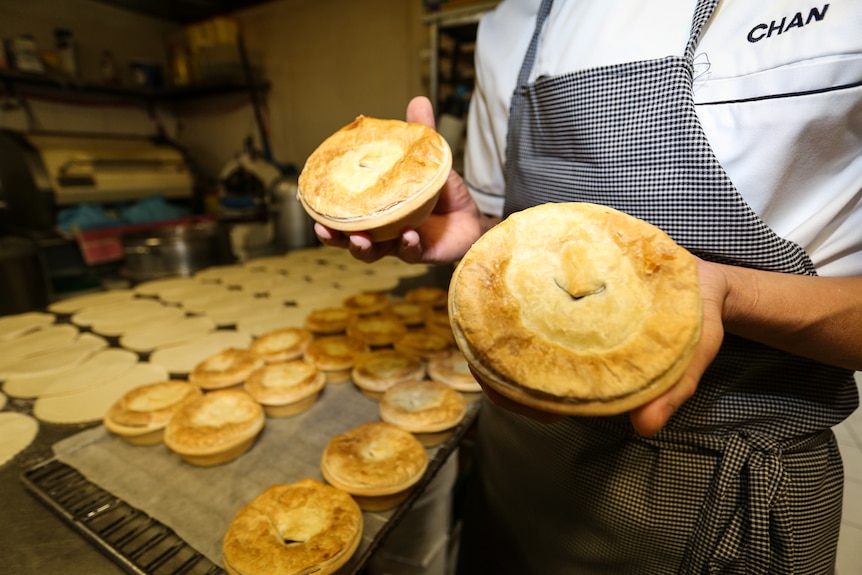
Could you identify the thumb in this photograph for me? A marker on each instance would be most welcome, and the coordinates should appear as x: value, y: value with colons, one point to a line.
x: 420, y: 110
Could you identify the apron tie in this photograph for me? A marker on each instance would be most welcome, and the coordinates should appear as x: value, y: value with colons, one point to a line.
x: 744, y: 512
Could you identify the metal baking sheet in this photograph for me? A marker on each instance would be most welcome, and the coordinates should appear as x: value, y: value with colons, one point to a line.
x: 142, y: 544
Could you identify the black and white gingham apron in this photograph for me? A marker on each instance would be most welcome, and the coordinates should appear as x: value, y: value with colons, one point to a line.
x: 746, y: 477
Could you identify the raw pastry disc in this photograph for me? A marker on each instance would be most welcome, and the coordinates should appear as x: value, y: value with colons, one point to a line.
x: 13, y: 326
x: 157, y: 317
x: 114, y: 313
x: 244, y: 307
x: 98, y: 368
x: 17, y: 431
x: 162, y: 286
x: 43, y: 340
x: 182, y: 359
x: 73, y: 304
x: 53, y: 361
x: 146, y: 338
x: 289, y: 316
x: 91, y: 404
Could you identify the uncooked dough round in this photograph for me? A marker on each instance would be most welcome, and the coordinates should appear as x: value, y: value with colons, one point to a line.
x: 17, y: 431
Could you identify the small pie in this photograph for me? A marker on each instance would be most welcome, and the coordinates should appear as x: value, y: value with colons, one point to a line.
x: 424, y: 344
x: 453, y: 370
x: 286, y: 388
x: 375, y: 462
x: 424, y: 408
x: 328, y: 320
x: 428, y: 296
x: 300, y: 528
x: 377, y: 330
x: 335, y: 355
x: 215, y: 428
x: 282, y: 344
x: 226, y: 368
x: 375, y: 175
x: 367, y: 303
x: 140, y: 415
x: 411, y: 314
x: 378, y: 370
x: 577, y: 309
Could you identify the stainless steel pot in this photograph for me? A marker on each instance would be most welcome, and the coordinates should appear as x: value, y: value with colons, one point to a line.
x: 171, y: 251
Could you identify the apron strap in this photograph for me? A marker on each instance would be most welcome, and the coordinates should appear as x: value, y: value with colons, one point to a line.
x: 533, y: 49
x: 744, y: 510
x: 702, y: 13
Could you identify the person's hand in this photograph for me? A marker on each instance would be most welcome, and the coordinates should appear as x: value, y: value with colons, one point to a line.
x: 650, y: 418
x: 446, y: 234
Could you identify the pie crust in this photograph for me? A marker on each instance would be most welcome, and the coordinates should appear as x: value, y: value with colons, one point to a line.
x: 375, y: 175
x: 215, y: 428
x: 226, y: 368
x: 422, y: 406
x: 335, y: 355
x: 454, y: 370
x: 328, y: 320
x: 286, y: 388
x: 428, y: 296
x: 411, y: 314
x: 378, y: 370
x: 375, y: 459
x: 424, y: 344
x: 577, y: 309
x: 300, y: 528
x: 377, y: 330
x: 141, y: 414
x: 282, y: 344
x: 367, y: 303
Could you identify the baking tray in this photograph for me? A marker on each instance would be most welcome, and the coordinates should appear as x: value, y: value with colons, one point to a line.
x: 137, y: 542
x: 142, y: 545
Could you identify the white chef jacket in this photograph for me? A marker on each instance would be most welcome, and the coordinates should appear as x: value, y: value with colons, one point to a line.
x: 778, y: 90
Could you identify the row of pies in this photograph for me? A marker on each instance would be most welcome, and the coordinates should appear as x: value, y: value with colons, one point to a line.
x: 421, y: 383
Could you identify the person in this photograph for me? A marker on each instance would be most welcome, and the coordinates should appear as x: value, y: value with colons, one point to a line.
x: 736, y: 127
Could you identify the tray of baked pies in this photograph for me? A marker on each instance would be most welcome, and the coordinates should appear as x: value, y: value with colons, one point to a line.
x: 276, y: 416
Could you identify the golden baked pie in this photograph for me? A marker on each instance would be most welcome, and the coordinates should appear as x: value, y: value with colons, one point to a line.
x: 424, y: 344
x: 335, y: 355
x: 377, y: 330
x: 375, y: 175
x: 375, y: 462
x: 285, y: 388
x: 367, y: 303
x: 378, y: 370
x: 576, y: 308
x: 423, y: 408
x: 428, y: 296
x: 453, y: 370
x: 282, y: 344
x: 328, y: 320
x: 215, y: 428
x: 300, y: 528
x: 411, y: 314
x: 226, y: 368
x: 141, y: 414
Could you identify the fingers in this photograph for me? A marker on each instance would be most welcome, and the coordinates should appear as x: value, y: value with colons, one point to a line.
x: 652, y: 417
x: 419, y: 110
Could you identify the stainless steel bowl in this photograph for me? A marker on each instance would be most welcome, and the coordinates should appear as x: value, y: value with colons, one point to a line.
x: 179, y: 250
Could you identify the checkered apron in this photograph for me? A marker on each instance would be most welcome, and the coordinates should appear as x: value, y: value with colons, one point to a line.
x: 746, y: 477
